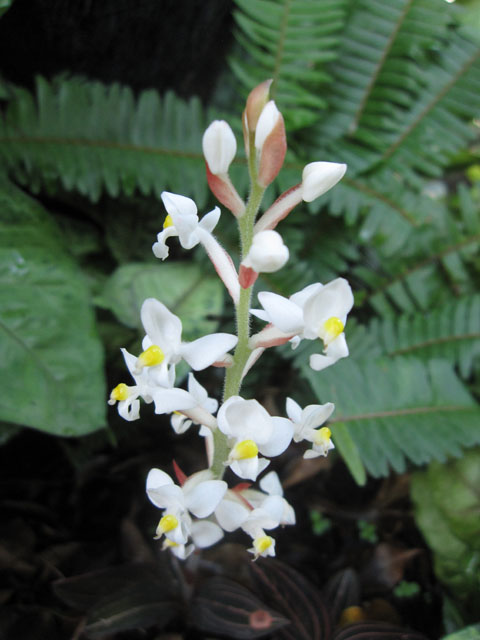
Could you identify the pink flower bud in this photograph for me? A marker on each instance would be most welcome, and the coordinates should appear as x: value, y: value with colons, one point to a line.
x: 271, y: 143
x: 256, y: 101
x: 219, y: 147
x: 319, y: 177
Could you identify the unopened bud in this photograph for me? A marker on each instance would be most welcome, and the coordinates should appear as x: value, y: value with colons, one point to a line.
x: 319, y: 177
x: 267, y: 252
x: 256, y: 101
x: 219, y: 147
x: 271, y: 143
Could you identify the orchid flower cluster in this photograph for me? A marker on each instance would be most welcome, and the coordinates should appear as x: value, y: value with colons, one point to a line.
x: 239, y: 434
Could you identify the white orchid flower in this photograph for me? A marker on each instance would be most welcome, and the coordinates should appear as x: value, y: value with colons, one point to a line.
x: 307, y: 422
x: 252, y: 430
x: 182, y: 221
x: 128, y: 396
x: 204, y: 534
x: 318, y: 311
x: 163, y: 346
x: 199, y: 496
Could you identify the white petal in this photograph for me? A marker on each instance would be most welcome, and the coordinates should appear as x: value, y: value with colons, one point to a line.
x: 318, y: 362
x: 205, y: 533
x: 231, y: 514
x: 162, y: 327
x: 167, y: 497
x: 204, y: 498
x: 210, y: 220
x: 160, y: 248
x: 205, y: 351
x: 274, y: 506
x: 267, y: 253
x: 304, y: 294
x: 271, y: 484
x: 314, y: 415
x: 281, y: 438
x: 168, y: 400
x: 176, y: 204
x: 157, y: 478
x: 282, y: 312
x: 196, y: 389
x: 338, y: 348
x: 294, y: 410
x: 245, y: 420
x: 335, y: 299
x: 260, y: 313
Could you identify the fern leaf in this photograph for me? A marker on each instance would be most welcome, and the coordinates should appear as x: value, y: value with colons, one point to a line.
x: 420, y: 283
x: 377, y: 75
x: 289, y: 41
x: 399, y: 410
x: 88, y: 137
x: 451, y: 331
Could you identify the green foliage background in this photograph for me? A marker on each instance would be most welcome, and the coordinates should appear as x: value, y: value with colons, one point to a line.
x: 393, y: 90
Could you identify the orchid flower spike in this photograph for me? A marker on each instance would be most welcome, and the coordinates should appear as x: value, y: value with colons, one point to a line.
x: 267, y: 254
x: 318, y: 311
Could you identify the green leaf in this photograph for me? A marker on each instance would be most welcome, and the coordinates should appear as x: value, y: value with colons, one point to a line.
x: 5, y: 6
x: 197, y: 299
x: 397, y: 410
x: 349, y: 452
x: 93, y: 138
x: 447, y: 510
x: 51, y: 359
x: 467, y: 633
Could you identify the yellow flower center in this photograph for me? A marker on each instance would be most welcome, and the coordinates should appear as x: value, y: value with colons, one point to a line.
x: 168, y: 222
x: 322, y: 435
x: 121, y: 392
x: 166, y: 524
x: 151, y: 356
x: 261, y: 544
x: 332, y: 328
x: 245, y: 449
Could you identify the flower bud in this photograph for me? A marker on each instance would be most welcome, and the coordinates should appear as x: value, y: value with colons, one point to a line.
x: 267, y: 253
x: 219, y: 147
x: 256, y: 101
x: 319, y: 177
x: 271, y: 143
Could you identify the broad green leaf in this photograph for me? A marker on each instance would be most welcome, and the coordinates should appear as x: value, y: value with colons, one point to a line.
x: 468, y: 633
x: 196, y: 298
x: 51, y: 360
x: 447, y: 510
x: 398, y: 409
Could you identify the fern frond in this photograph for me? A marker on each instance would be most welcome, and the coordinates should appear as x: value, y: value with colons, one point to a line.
x: 289, y: 41
x: 92, y: 138
x: 419, y: 284
x: 378, y: 73
x: 451, y: 331
x: 399, y: 410
x: 438, y: 126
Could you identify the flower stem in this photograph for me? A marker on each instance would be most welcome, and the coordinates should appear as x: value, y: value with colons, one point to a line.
x: 233, y: 376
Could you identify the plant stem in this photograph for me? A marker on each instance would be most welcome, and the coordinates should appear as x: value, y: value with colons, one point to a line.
x: 233, y: 375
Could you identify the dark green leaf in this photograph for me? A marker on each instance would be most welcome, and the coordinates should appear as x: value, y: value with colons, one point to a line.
x: 51, y: 357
